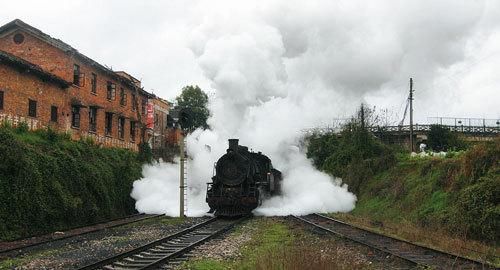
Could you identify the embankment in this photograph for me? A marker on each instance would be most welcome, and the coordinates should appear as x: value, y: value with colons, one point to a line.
x: 459, y: 193
x: 48, y: 182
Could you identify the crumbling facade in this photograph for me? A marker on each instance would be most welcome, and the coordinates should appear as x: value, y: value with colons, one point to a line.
x: 70, y: 91
x: 41, y: 102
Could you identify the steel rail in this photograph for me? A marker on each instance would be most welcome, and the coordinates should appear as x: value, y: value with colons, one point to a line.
x: 20, y: 248
x: 162, y: 251
x: 408, y: 251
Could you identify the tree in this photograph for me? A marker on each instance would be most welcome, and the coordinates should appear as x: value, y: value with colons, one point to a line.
x: 193, y: 105
x: 442, y: 139
x: 354, y: 154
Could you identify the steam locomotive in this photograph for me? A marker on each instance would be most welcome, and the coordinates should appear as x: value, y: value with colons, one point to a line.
x: 242, y: 179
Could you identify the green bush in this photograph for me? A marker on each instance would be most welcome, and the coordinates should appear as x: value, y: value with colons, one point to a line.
x: 22, y: 127
x: 460, y: 193
x: 440, y: 138
x: 478, y: 208
x: 48, y: 182
x: 321, y: 147
x: 354, y: 155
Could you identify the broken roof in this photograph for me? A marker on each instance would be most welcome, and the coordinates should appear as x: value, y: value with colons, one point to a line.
x: 24, y: 65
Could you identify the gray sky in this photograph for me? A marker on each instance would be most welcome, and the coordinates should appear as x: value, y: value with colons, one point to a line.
x: 361, y: 50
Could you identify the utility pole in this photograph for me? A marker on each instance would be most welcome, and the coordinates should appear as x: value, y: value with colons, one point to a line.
x: 411, y: 114
x: 181, y: 178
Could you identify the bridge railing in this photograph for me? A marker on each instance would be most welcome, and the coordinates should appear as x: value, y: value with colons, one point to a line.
x: 420, y: 128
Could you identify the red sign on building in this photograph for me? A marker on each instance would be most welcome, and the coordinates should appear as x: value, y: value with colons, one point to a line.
x: 150, y: 118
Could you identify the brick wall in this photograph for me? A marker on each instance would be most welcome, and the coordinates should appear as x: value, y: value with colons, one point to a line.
x: 19, y: 87
x: 160, y: 135
x: 34, y: 50
x: 61, y: 63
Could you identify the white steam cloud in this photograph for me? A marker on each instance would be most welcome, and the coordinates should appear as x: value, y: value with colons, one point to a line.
x: 279, y: 67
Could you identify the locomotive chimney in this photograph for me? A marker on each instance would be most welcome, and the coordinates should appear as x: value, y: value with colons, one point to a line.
x: 233, y: 144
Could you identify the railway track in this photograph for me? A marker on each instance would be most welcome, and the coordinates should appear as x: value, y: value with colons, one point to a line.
x: 413, y: 253
x: 16, y: 247
x: 169, y: 251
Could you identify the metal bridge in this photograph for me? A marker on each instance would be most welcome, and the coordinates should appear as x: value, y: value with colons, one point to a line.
x: 474, y: 130
x: 480, y: 131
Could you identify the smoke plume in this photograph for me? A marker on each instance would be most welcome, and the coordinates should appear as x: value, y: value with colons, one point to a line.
x: 278, y: 68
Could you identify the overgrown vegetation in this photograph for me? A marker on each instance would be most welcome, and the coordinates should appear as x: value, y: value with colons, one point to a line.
x: 354, y: 154
x: 274, y: 244
x: 269, y: 237
x: 460, y: 193
x: 48, y: 182
x: 440, y: 138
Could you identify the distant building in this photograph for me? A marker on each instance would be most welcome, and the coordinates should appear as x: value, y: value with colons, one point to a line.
x: 161, y: 109
x: 46, y: 82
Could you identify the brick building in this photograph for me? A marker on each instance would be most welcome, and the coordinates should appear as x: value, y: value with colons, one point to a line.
x: 161, y: 108
x: 69, y: 90
x: 43, y: 95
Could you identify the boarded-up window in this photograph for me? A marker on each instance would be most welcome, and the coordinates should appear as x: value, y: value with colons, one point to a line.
x: 123, y: 97
x: 92, y: 119
x: 132, y: 130
x: 121, y: 127
x: 109, y: 123
x: 134, y: 102
x: 53, y: 113
x: 93, y: 82
x: 75, y: 116
x: 111, y: 91
x: 76, y: 74
x: 32, y: 108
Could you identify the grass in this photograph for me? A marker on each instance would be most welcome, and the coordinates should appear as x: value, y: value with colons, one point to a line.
x: 268, y: 237
x: 439, y: 238
x: 12, y: 263
x: 276, y: 244
x: 450, y: 203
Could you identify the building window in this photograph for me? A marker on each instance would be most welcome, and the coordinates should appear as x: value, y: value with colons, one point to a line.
x: 1, y: 100
x: 132, y: 131
x: 18, y: 38
x: 32, y: 108
x: 76, y: 74
x: 111, y: 91
x: 143, y: 106
x: 121, y: 127
x: 53, y: 113
x: 123, y: 97
x: 134, y: 102
x: 109, y: 123
x: 75, y: 116
x: 93, y: 82
x: 93, y: 119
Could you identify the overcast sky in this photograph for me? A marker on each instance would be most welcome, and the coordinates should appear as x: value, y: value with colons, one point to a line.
x: 362, y: 50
